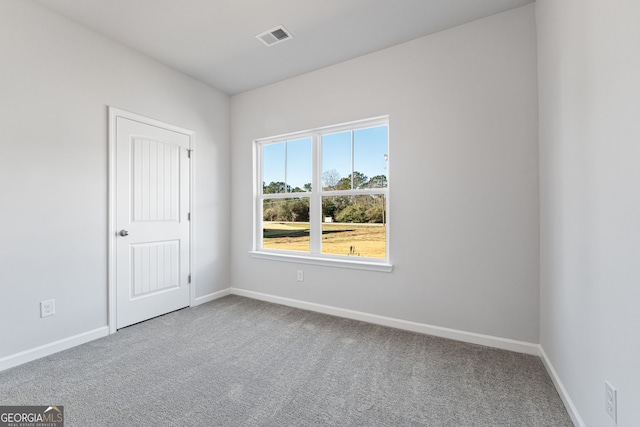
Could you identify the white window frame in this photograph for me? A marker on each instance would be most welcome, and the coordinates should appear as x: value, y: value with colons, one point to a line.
x: 315, y: 255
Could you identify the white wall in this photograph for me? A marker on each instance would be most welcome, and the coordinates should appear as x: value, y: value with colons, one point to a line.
x: 464, y: 175
x: 56, y: 81
x: 589, y: 83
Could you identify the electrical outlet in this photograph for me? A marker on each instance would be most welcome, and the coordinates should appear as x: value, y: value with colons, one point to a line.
x: 300, y: 276
x: 611, y: 401
x: 47, y: 308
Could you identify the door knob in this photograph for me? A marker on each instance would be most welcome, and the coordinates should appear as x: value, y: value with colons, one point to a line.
x: 124, y: 233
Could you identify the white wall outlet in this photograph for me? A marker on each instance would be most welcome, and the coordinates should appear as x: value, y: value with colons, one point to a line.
x: 300, y: 276
x: 611, y: 401
x: 47, y: 308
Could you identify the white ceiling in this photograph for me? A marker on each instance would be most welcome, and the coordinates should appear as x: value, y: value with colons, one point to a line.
x: 213, y: 40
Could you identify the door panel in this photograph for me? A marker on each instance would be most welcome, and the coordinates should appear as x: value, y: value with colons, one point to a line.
x: 155, y: 173
x: 152, y: 207
x: 155, y: 267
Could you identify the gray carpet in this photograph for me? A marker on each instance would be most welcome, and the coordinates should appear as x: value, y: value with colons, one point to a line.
x: 242, y: 362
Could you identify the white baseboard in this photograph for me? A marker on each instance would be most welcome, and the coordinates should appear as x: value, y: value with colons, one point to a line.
x: 454, y: 334
x: 51, y: 348
x: 210, y: 297
x: 564, y: 395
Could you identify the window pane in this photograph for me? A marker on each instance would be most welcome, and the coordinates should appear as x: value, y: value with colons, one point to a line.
x: 354, y: 226
x: 336, y: 161
x: 273, y: 171
x: 370, y: 157
x: 286, y: 224
x: 299, y: 165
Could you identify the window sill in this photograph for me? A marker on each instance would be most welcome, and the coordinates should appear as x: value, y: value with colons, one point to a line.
x: 328, y: 262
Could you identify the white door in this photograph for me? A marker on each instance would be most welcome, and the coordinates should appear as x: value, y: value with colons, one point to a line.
x: 152, y: 250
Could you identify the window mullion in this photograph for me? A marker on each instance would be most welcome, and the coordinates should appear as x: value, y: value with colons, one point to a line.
x: 315, y: 201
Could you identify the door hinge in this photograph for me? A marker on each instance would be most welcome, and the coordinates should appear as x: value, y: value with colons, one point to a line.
x: 189, y: 153
x: 189, y: 281
x: 189, y: 216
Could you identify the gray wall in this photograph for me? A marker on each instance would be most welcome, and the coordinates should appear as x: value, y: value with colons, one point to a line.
x: 589, y: 84
x: 464, y: 175
x: 56, y: 81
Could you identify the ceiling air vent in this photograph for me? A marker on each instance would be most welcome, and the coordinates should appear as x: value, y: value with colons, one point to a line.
x: 275, y: 35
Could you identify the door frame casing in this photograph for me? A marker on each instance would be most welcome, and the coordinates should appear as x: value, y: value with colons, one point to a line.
x: 114, y: 113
